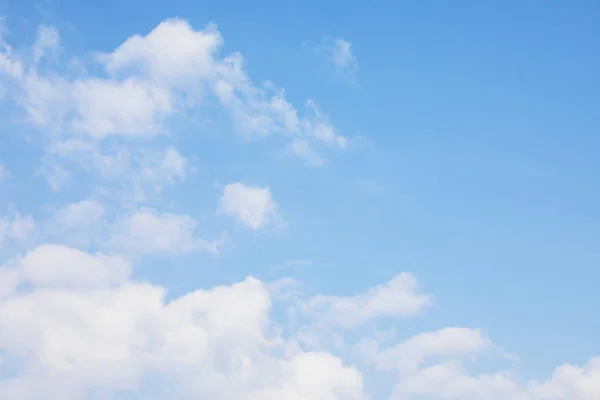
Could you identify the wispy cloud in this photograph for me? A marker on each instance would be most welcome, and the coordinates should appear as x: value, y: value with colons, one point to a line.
x: 339, y: 54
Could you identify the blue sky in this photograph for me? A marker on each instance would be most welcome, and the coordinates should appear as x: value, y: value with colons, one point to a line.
x: 411, y: 187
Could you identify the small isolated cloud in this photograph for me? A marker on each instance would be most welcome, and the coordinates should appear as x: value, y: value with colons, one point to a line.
x: 339, y: 54
x: 252, y: 206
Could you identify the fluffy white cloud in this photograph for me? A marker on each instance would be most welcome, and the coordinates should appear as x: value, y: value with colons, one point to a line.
x: 147, y: 231
x: 252, y: 206
x: 62, y: 266
x: 398, y: 297
x: 127, y: 107
x: 223, y: 342
x: 171, y: 51
x: 447, y: 342
x: 570, y: 382
x: 150, y: 79
x: 76, y: 325
x: 451, y: 381
x: 220, y: 342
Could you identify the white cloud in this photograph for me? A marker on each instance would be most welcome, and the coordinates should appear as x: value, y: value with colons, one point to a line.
x: 252, y: 206
x: 62, y: 266
x: 82, y: 214
x: 302, y: 149
x: 151, y: 78
x: 398, y: 297
x: 78, y: 223
x: 214, y: 343
x: 18, y: 228
x: 141, y: 170
x: 450, y: 381
x: 91, y: 106
x: 148, y: 231
x: 10, y: 64
x: 75, y: 325
x: 339, y: 52
x: 55, y: 175
x: 48, y: 41
x: 127, y: 107
x: 447, y: 342
x: 315, y: 376
x: 9, y: 278
x: 570, y: 382
x: 172, y: 51
x: 320, y: 128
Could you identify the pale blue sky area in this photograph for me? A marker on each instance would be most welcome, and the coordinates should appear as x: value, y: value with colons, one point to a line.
x: 473, y: 162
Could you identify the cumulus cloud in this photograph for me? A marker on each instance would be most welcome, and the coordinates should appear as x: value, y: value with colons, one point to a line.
x: 128, y: 107
x: 76, y: 323
x: 215, y: 343
x: 448, y: 342
x: 252, y: 206
x: 451, y: 381
x: 149, y: 79
x: 62, y: 266
x: 223, y: 342
x: 171, y: 51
